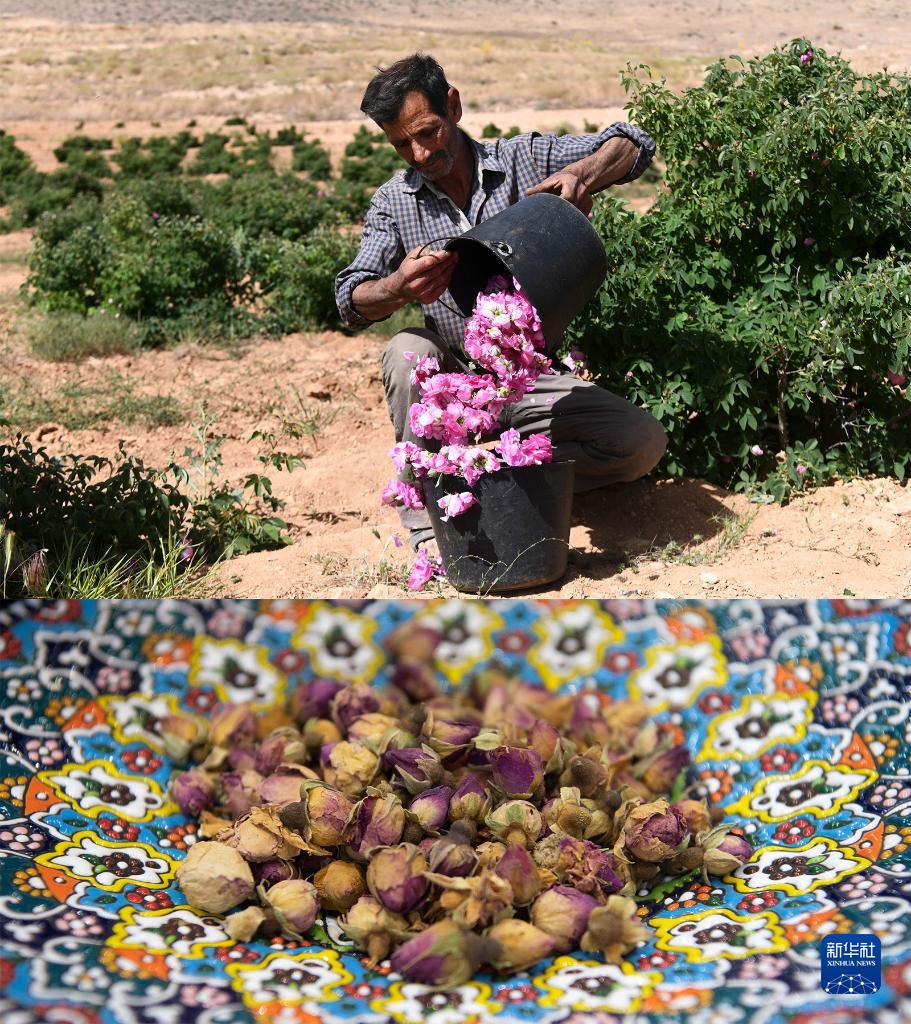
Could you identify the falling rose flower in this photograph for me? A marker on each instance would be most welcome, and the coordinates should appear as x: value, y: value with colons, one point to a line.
x: 756, y: 450
x: 425, y: 568
x: 455, y: 504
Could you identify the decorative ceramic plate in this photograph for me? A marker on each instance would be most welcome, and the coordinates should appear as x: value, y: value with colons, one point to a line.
x: 796, y: 715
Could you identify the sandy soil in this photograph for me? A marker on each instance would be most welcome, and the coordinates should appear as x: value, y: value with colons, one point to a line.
x: 108, y: 61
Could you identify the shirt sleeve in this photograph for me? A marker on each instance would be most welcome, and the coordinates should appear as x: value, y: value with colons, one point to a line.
x: 380, y: 254
x: 551, y: 153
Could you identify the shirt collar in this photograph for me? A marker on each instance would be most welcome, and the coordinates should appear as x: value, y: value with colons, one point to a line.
x: 484, y: 157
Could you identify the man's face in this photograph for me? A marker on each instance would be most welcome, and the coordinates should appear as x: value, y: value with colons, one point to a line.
x: 424, y: 140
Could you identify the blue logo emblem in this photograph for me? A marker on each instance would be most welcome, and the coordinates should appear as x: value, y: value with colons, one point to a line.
x: 851, y: 965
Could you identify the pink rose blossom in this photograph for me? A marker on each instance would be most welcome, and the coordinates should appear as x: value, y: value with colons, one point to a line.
x: 456, y: 504
x: 398, y: 492
x: 424, y: 569
x: 533, y: 451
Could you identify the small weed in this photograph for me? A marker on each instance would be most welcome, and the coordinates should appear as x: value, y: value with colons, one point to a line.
x: 733, y: 530
x: 330, y: 564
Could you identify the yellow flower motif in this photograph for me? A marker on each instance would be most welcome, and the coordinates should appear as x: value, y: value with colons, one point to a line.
x: 29, y: 881
x: 571, y: 642
x: 797, y: 870
x: 466, y: 631
x: 756, y: 725
x: 236, y: 671
x: 8, y: 784
x: 290, y: 977
x: 895, y: 841
x: 110, y: 866
x: 674, y: 675
x: 97, y: 787
x: 706, y: 935
x: 178, y: 930
x: 60, y: 710
x: 818, y: 788
x: 592, y: 985
x: 134, y: 716
x: 408, y: 1002
x: 340, y: 643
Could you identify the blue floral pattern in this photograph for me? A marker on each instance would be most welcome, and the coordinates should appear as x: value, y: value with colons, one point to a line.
x: 797, y: 715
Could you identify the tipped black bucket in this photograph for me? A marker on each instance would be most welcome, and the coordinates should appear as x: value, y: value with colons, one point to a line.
x: 515, y: 537
x: 548, y: 245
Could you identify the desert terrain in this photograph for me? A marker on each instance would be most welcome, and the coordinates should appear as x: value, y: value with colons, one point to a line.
x: 120, y: 68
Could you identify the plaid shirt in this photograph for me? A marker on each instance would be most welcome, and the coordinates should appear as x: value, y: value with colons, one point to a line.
x: 407, y: 211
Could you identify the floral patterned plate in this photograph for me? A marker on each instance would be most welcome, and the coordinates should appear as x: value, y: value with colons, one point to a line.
x: 798, y: 717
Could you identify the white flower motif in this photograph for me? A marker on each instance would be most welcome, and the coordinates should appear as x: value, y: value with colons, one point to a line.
x: 180, y: 930
x: 674, y: 675
x: 86, y: 979
x: 758, y: 724
x: 97, y: 789
x: 238, y: 672
x: 591, y: 986
x: 294, y: 978
x: 340, y: 643
x: 817, y: 789
x: 412, y: 1002
x: 721, y: 933
x: 797, y: 870
x: 109, y: 867
x: 572, y: 642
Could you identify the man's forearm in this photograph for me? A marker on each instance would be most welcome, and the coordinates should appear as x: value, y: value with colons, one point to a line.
x: 609, y: 163
x: 377, y: 299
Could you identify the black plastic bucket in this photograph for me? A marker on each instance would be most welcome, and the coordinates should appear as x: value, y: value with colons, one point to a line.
x: 516, y: 536
x: 548, y: 245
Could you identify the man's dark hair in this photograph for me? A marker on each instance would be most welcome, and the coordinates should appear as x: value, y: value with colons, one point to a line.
x: 386, y: 92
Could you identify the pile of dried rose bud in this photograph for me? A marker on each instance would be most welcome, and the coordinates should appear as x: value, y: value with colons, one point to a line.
x: 495, y: 826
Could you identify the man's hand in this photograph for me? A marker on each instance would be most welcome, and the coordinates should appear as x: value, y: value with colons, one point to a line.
x: 426, y: 277
x: 568, y: 186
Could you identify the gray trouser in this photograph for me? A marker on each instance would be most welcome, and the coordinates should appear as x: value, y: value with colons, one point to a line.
x: 610, y: 439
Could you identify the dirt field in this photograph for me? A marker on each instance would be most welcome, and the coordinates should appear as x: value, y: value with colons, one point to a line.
x: 306, y: 63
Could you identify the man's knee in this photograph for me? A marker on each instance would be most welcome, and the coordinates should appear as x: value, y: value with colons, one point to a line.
x: 646, y: 447
x: 416, y: 340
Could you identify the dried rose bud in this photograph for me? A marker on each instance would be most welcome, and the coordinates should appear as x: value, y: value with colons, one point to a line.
x: 269, y: 872
x: 318, y: 732
x: 695, y: 813
x: 477, y: 901
x: 351, y: 702
x: 516, y: 821
x: 470, y: 800
x: 416, y: 679
x: 443, y: 956
x: 182, y: 733
x: 654, y: 832
x: 214, y: 878
x: 340, y: 885
x: 376, y: 821
x: 283, y: 745
x: 449, y: 737
x: 261, y: 835
x: 243, y: 925
x: 414, y: 642
x: 419, y: 768
x: 295, y: 903
x: 350, y: 767
x: 240, y: 759
x: 395, y: 876
x: 312, y: 699
x: 490, y: 854
x: 283, y: 785
x: 545, y: 739
x: 328, y: 812
x: 724, y: 852
x: 518, y: 868
x: 664, y: 768
x: 431, y: 808
x: 521, y: 945
x: 194, y: 792
x: 586, y: 774
x: 516, y: 771
x: 233, y: 725
x: 579, y: 863
x: 373, y: 726
x: 241, y: 790
x: 373, y: 927
x: 451, y: 856
x: 614, y: 930
x: 566, y: 814
x: 562, y: 912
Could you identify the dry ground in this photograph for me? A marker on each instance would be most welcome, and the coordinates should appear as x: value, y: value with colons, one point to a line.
x: 69, y: 62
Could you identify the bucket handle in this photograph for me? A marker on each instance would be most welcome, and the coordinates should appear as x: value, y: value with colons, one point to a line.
x: 503, y: 248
